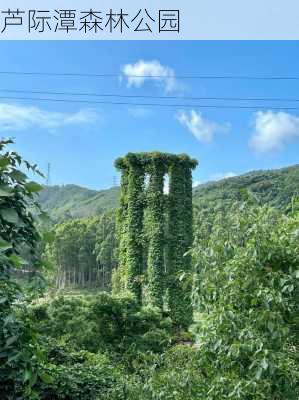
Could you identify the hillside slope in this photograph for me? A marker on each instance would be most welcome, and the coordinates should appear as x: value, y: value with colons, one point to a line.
x: 274, y: 187
x: 71, y: 201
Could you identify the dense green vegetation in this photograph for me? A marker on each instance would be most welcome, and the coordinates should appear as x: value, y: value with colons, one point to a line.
x: 274, y: 188
x: 18, y: 345
x: 246, y: 294
x: 155, y: 230
x: 241, y: 344
x: 83, y: 252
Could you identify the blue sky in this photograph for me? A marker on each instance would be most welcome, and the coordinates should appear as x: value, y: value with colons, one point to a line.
x: 81, y: 141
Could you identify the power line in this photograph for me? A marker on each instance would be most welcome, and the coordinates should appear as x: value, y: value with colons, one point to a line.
x: 191, y: 76
x: 149, y: 96
x: 257, y: 107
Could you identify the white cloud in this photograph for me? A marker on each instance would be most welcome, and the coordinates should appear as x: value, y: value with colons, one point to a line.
x: 17, y: 117
x: 139, y: 112
x: 221, y: 175
x: 196, y: 183
x: 140, y: 72
x: 203, y: 129
x: 273, y: 130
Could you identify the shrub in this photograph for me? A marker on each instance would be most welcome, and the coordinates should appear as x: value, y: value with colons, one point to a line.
x: 126, y: 328
x: 18, y: 347
x: 67, y: 318
x: 246, y: 296
x: 175, y: 375
x: 84, y: 376
x: 104, y: 323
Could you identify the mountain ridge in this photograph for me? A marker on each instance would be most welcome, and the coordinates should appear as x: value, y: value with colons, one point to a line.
x: 275, y: 187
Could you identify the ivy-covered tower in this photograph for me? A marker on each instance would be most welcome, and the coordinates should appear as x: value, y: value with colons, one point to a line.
x: 156, y: 255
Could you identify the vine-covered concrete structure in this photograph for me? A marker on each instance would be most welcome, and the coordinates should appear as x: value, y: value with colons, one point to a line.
x: 156, y: 256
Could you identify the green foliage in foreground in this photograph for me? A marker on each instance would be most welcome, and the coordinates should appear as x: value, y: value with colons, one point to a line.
x: 103, y: 323
x: 91, y: 344
x: 81, y: 376
x: 245, y: 297
x: 246, y: 294
x: 18, y: 346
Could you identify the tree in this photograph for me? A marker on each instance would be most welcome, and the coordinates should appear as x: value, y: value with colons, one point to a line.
x: 84, y: 251
x: 18, y: 347
x: 246, y: 294
x: 106, y: 247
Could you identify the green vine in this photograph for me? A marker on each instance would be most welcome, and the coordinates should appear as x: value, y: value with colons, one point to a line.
x: 177, y: 208
x: 176, y: 243
x: 122, y: 221
x: 155, y: 203
x: 132, y: 222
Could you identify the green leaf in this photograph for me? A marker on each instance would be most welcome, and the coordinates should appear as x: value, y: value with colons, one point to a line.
x: 259, y: 373
x: 17, y: 261
x: 13, y: 357
x: 4, y: 162
x: 11, y: 340
x: 10, y: 215
x: 182, y: 276
x: 18, y: 176
x: 5, y: 191
x: 270, y: 326
x: 264, y: 364
x: 3, y: 300
x: 4, y: 245
x: 27, y: 375
x: 48, y: 237
x: 46, y: 378
x: 33, y: 187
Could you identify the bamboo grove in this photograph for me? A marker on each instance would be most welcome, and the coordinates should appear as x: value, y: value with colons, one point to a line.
x: 151, y: 260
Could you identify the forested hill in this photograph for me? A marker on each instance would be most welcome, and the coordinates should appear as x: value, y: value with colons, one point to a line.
x: 274, y: 187
x: 72, y: 201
